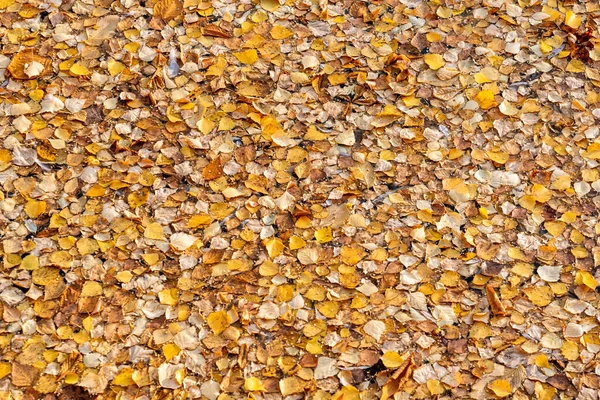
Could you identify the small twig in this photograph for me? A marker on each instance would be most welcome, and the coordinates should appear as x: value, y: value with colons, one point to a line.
x: 381, y: 197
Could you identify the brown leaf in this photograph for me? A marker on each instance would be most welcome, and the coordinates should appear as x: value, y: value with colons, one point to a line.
x: 213, y: 170
x: 216, y: 31
x: 495, y: 303
x: 22, y: 59
x: 168, y: 9
x: 398, y: 378
x: 24, y: 375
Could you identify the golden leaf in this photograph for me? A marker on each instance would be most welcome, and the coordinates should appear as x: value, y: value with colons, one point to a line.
x: 270, y: 5
x: 434, y: 61
x: 170, y: 350
x: 168, y: 297
x: 91, y: 289
x: 4, y: 4
x: 486, y: 99
x: 124, y: 378
x: 253, y: 385
x: 279, y: 32
x: 539, y: 295
x: 218, y: 321
x: 324, y: 235
x: 352, y: 255
x: 500, y: 387
x: 274, y: 247
x: 35, y: 208
x: 249, y: 56
x: 154, y: 231
x: 79, y: 70
x: 391, y: 359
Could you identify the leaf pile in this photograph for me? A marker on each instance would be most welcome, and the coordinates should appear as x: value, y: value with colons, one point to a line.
x: 299, y: 199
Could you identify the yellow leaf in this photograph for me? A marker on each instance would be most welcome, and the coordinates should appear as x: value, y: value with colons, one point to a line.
x: 35, y: 208
x: 435, y: 387
x: 138, y: 198
x: 544, y: 391
x: 249, y: 56
x: 45, y: 276
x: 36, y: 95
x: 499, y: 157
x: 205, y: 125
x: 170, y: 350
x: 561, y: 183
x: 279, y: 32
x: 328, y: 308
x: 572, y: 20
x: 569, y: 350
x: 486, y: 99
x: 296, y: 243
x: 91, y: 289
x: 593, y: 151
x: 218, y: 321
x: 169, y: 297
x: 253, y: 385
x: 352, y: 255
x: 5, y: 369
x: 274, y: 247
x: 555, y: 228
x: 150, y: 258
x: 337, y: 79
x: 268, y: 268
x: 313, y: 346
x: 226, y: 124
x: 347, y: 392
x: 270, y: 5
x: 5, y: 4
x: 291, y: 385
x: 124, y: 276
x: 545, y: 47
x: 576, y: 66
x: 585, y: 278
x: 240, y: 264
x: 434, y: 61
x: 479, y: 330
x: 462, y: 192
x: 71, y: 378
x: 433, y: 37
x: 124, y: 378
x: 79, y: 70
x: 115, y: 67
x: 487, y: 74
x: 324, y: 235
x: 527, y: 202
x: 540, y: 193
x: 199, y: 220
x: 551, y: 12
x: 391, y: 359
x: 500, y: 387
x: 540, y: 295
x: 154, y: 231
x: 96, y: 191
x: 542, y: 361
